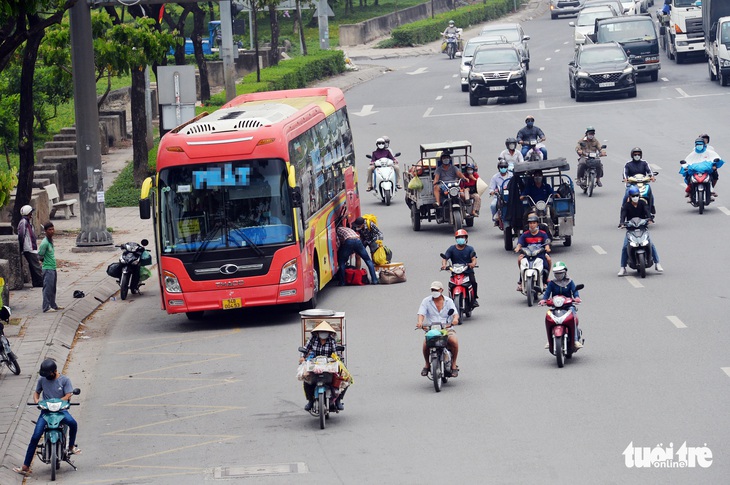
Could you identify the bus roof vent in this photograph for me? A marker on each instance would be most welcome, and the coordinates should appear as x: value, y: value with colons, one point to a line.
x: 249, y: 124
x: 199, y: 128
x: 236, y: 119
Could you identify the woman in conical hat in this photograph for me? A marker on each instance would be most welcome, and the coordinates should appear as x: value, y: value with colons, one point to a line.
x: 322, y: 342
x: 324, y: 326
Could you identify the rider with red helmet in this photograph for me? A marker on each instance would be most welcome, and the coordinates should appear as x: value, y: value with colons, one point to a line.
x: 462, y: 253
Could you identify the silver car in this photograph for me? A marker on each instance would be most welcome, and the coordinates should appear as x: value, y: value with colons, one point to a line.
x: 468, y: 54
x: 514, y: 34
x: 564, y: 7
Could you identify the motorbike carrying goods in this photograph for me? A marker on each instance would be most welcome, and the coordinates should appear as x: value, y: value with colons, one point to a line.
x: 416, y: 184
x: 391, y: 273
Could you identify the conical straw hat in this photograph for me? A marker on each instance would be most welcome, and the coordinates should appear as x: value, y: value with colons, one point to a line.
x: 324, y: 327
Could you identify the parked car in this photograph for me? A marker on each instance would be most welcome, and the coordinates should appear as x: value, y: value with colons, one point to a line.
x: 616, y: 5
x: 585, y: 24
x: 497, y: 71
x: 564, y: 7
x: 599, y: 70
x: 514, y: 33
x: 468, y: 54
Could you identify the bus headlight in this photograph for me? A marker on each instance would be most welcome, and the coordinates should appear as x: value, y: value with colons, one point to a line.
x: 172, y: 285
x: 289, y: 272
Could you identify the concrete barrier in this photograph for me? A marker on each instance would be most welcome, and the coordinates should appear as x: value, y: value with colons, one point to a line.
x: 42, y: 153
x: 119, y: 130
x: 69, y: 172
x: 60, y: 144
x: 53, y: 176
x: 10, y: 252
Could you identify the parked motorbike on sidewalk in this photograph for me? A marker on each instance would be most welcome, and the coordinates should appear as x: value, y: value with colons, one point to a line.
x: 561, y: 323
x: 641, y: 182
x: 461, y: 289
x: 437, y: 338
x: 384, y: 180
x: 326, y: 370
x: 53, y: 448
x: 7, y: 356
x: 639, y: 246
x: 129, y: 271
x: 593, y: 165
x: 533, y: 272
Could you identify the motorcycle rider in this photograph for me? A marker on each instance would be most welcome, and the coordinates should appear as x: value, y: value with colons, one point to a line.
x: 462, y: 253
x: 451, y: 29
x: 435, y: 309
x: 321, y: 342
x: 510, y: 154
x: 705, y: 160
x: 586, y: 145
x: 638, y: 166
x: 531, y: 132
x: 446, y: 172
x: 469, y: 188
x: 534, y: 235
x: 382, y: 151
x: 561, y: 284
x: 635, y: 206
x: 537, y: 189
x: 52, y: 385
x: 497, y: 183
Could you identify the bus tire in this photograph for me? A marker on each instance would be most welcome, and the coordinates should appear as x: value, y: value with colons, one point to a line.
x: 312, y: 303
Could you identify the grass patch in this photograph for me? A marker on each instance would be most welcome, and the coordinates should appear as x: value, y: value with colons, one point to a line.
x: 123, y: 192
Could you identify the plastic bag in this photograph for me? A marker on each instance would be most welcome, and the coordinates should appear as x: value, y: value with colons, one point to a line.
x: 370, y: 219
x: 144, y: 273
x: 380, y: 256
x: 302, y: 371
x: 415, y: 184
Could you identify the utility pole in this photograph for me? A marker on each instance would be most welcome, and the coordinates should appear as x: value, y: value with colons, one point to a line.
x: 88, y: 147
x: 226, y: 49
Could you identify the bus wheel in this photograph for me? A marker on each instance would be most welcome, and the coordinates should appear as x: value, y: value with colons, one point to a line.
x: 311, y: 304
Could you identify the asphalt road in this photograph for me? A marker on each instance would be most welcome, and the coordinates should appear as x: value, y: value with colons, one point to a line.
x: 168, y: 401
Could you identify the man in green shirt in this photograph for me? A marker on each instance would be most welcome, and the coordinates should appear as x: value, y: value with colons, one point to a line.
x: 47, y: 255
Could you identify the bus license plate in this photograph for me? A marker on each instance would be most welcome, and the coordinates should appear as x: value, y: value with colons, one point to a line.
x: 606, y: 85
x: 232, y: 303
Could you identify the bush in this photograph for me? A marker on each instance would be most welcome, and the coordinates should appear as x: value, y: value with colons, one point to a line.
x: 429, y: 30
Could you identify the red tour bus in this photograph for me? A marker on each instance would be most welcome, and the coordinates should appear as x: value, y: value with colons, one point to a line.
x: 246, y: 201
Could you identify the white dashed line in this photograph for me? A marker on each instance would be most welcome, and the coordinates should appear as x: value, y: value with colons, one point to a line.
x: 557, y: 50
x: 633, y: 281
x: 599, y: 250
x: 439, y: 98
x: 538, y: 90
x: 665, y: 80
x: 682, y: 93
x: 542, y: 68
x: 548, y: 58
x: 726, y: 370
x: 427, y: 113
x: 676, y: 321
x: 539, y: 79
x: 541, y: 104
x: 724, y: 210
x: 447, y: 87
x: 455, y: 75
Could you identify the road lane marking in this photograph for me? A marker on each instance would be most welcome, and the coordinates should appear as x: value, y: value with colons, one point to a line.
x: 420, y: 70
x: 726, y: 370
x: 557, y: 50
x: 541, y: 104
x: 447, y: 87
x: 455, y: 75
x: 367, y: 110
x: 547, y: 58
x: 538, y: 90
x: 599, y: 250
x: 539, y: 79
x: 676, y: 321
x: 724, y: 210
x: 633, y: 281
x: 542, y: 68
x: 427, y: 113
x: 665, y: 80
x: 681, y: 91
x: 439, y: 98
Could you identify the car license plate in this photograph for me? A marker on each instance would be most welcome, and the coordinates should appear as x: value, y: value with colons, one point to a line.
x: 606, y: 85
x: 497, y: 88
x: 232, y: 303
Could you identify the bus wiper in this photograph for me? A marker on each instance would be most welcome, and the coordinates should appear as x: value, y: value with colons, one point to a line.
x: 245, y: 236
x: 208, y: 237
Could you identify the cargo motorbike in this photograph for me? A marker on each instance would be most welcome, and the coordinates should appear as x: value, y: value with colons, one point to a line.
x: 561, y: 323
x: 7, y: 356
x: 129, y: 270
x: 437, y: 338
x: 325, y: 370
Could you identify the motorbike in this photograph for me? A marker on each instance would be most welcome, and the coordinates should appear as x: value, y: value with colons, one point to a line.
x: 562, y: 323
x: 52, y: 449
x: 439, y: 354
x: 700, y: 190
x: 593, y: 164
x: 533, y: 272
x: 453, y: 42
x: 134, y: 257
x: 325, y: 369
x: 453, y: 207
x: 384, y: 179
x: 641, y: 181
x: 461, y: 289
x: 7, y: 356
x: 534, y: 154
x: 639, y: 247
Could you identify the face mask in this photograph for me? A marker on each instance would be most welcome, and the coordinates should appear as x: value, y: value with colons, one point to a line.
x: 538, y: 180
x: 380, y: 145
x: 530, y: 123
x: 635, y: 198
x: 699, y: 148
x: 636, y: 157
x: 502, y: 169
x: 446, y: 161
x: 469, y: 171
x: 435, y: 294
x: 590, y: 137
x: 323, y: 335
x: 460, y: 241
x: 512, y: 146
x: 560, y: 275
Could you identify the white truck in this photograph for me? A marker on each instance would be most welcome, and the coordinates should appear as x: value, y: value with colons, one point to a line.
x: 680, y: 31
x: 716, y: 22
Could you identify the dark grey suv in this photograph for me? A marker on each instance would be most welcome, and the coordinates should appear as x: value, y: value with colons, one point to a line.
x: 601, y: 69
x: 497, y: 71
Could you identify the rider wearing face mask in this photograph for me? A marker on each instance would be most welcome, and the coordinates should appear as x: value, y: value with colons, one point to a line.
x: 497, y: 183
x: 322, y: 342
x: 462, y: 253
x: 382, y: 151
x: 511, y: 154
x: 562, y: 285
x: 586, y: 145
x: 638, y: 166
x: 702, y: 160
x: 446, y: 172
x: 435, y: 309
x: 534, y: 235
x: 635, y: 206
x: 531, y: 132
x: 469, y: 188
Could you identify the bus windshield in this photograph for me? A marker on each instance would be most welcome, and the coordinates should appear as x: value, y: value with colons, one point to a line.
x: 217, y: 206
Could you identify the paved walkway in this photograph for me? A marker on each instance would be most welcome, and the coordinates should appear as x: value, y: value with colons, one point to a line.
x: 39, y: 335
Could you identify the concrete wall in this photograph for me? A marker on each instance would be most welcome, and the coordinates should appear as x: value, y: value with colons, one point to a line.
x: 364, y: 32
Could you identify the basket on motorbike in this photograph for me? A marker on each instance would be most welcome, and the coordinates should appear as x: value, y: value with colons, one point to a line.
x: 434, y: 338
x: 563, y: 207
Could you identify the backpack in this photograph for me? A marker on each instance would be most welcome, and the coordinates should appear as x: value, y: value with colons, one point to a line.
x: 370, y: 219
x: 356, y: 276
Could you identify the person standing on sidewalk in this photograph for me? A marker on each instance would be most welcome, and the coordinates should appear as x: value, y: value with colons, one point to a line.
x: 47, y: 254
x: 29, y: 245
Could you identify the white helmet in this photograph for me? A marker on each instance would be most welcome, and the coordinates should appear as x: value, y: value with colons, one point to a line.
x: 26, y: 210
x: 380, y: 141
x: 386, y: 140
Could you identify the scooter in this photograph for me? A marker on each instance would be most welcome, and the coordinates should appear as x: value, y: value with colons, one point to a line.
x: 532, y: 271
x: 461, y: 289
x: 325, y: 369
x: 700, y: 190
x: 384, y: 179
x: 127, y: 270
x: 562, y: 322
x: 639, y: 247
x: 53, y: 450
x: 7, y: 356
x: 593, y: 164
x: 452, y: 44
x: 641, y: 181
x: 437, y: 338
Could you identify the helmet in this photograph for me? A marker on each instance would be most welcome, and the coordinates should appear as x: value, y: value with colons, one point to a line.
x: 559, y: 266
x: 461, y: 232
x: 529, y: 118
x: 502, y: 164
x: 705, y: 137
x: 26, y: 210
x: 533, y: 218
x: 451, y: 22
x: 48, y: 368
x: 590, y: 129
x: 636, y: 150
x: 510, y: 140
x: 470, y: 165
x: 633, y: 190
x: 380, y: 141
x: 386, y: 140
x: 700, y: 140
x: 5, y: 313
